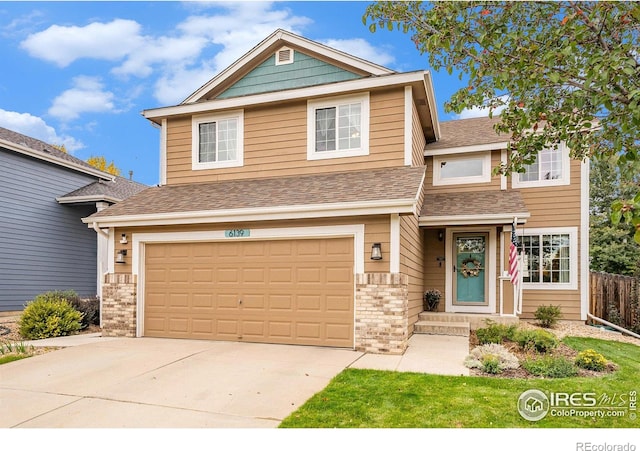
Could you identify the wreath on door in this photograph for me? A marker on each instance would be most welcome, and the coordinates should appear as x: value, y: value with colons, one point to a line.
x: 470, y: 267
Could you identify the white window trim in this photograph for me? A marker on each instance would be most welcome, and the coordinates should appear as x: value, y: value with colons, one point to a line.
x: 484, y: 178
x: 196, y: 165
x: 565, y: 179
x: 573, y: 257
x: 312, y: 105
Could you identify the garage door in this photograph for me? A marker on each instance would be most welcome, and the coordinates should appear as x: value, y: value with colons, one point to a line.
x: 283, y: 291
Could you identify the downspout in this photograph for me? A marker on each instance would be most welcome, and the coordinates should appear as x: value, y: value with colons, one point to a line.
x: 99, y: 230
x: 614, y: 326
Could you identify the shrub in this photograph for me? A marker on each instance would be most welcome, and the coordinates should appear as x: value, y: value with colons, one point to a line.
x: 547, y: 315
x: 49, y: 315
x: 538, y: 340
x: 90, y: 309
x: 491, y: 358
x: 591, y: 360
x: 550, y: 366
x: 496, y: 333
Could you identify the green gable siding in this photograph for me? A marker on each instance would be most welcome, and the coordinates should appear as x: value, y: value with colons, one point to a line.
x: 304, y: 71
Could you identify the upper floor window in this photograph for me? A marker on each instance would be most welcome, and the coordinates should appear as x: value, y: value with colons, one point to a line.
x: 217, y: 140
x: 338, y: 127
x: 462, y: 169
x: 550, y: 168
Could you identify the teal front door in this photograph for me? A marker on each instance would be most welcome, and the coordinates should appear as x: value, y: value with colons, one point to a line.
x: 470, y: 282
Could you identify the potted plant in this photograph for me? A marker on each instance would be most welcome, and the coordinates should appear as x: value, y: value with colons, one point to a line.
x: 431, y: 300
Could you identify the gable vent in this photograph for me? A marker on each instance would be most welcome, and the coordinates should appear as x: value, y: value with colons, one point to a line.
x: 284, y: 56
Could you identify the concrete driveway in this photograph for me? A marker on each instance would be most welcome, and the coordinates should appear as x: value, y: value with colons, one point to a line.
x: 147, y: 382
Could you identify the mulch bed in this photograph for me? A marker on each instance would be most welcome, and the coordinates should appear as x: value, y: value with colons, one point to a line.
x: 521, y: 373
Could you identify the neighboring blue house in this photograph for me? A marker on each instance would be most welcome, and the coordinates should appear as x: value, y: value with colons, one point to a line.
x: 44, y: 245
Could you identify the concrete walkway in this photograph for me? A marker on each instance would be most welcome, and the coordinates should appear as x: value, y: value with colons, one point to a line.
x: 432, y: 354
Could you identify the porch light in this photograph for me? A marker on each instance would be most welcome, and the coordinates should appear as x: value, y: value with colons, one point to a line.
x: 120, y: 256
x: 376, y: 251
x: 440, y: 235
x: 123, y: 239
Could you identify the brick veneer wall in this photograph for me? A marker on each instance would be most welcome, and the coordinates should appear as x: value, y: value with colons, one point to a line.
x: 382, y: 313
x: 119, y: 305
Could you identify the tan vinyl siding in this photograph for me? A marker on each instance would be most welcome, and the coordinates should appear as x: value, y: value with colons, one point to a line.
x: 434, y: 271
x: 418, y: 140
x: 412, y: 263
x: 554, y: 206
x: 275, y: 143
x: 377, y: 229
x: 471, y: 187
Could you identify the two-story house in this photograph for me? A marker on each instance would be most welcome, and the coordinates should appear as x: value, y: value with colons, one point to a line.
x: 310, y: 197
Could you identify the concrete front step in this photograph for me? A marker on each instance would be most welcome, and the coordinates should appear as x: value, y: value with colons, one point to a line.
x: 458, y: 328
x: 476, y: 321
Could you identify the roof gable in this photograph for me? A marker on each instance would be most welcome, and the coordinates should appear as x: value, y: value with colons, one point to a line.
x: 303, y: 71
x: 267, y: 48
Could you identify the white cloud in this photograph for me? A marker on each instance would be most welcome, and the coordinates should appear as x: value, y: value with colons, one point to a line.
x: 36, y: 127
x: 216, y: 35
x: 363, y: 49
x: 86, y: 96
x: 62, y: 45
x: 475, y: 111
x: 176, y: 85
x: 163, y: 50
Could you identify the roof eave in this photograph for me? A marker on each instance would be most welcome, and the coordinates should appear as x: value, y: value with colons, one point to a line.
x: 340, y: 209
x: 55, y: 160
x: 501, y: 145
x: 85, y: 199
x: 156, y: 114
x: 451, y: 220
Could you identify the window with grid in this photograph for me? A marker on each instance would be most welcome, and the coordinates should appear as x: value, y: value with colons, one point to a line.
x: 549, y: 259
x: 550, y: 168
x: 338, y: 127
x: 217, y: 141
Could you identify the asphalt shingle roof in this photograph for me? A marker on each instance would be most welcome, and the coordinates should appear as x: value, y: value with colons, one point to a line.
x: 352, y: 186
x: 40, y: 146
x: 477, y: 203
x: 467, y: 132
x: 120, y: 189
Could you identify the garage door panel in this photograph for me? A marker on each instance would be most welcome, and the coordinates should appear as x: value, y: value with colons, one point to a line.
x: 309, y: 275
x: 280, y: 329
x: 309, y: 302
x: 306, y: 330
x: 226, y: 301
x: 254, y: 302
x: 254, y: 275
x: 291, y: 291
x: 227, y: 275
x: 338, y: 303
x: 202, y: 301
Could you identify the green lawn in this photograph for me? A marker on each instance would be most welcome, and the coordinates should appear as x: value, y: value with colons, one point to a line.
x: 13, y: 357
x: 386, y: 399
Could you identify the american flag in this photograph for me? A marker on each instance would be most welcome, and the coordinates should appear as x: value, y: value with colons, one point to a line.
x: 513, y: 256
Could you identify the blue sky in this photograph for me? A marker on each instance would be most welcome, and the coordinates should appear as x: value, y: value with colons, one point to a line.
x: 80, y: 73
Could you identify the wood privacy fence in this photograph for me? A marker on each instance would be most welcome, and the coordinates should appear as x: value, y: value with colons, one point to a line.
x: 615, y: 298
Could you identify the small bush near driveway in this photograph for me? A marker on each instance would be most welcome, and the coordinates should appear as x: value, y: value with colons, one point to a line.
x: 49, y: 315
